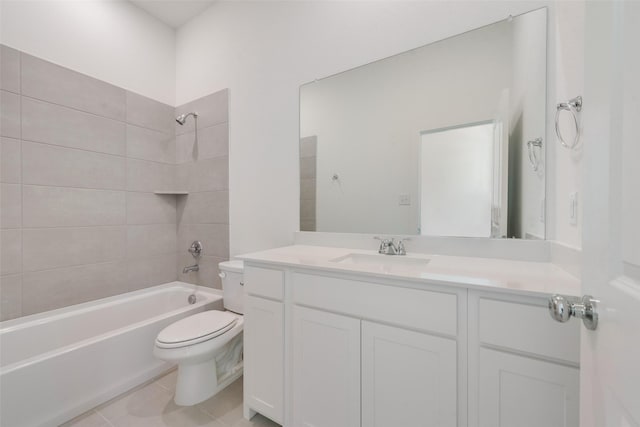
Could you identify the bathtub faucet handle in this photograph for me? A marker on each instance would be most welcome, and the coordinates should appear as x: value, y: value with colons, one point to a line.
x: 195, y: 249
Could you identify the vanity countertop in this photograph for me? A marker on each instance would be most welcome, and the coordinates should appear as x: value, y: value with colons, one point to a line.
x: 489, y: 274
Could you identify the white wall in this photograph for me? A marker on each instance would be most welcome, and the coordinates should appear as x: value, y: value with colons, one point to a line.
x: 567, y: 53
x: 113, y: 41
x: 528, y: 118
x: 263, y: 52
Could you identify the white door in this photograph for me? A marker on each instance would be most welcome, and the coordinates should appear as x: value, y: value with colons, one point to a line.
x: 408, y: 378
x: 326, y: 369
x: 610, y: 355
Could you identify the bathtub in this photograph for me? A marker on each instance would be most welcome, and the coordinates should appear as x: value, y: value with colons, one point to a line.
x: 59, y: 364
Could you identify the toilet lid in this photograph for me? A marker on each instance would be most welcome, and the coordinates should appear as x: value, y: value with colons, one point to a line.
x: 197, y: 328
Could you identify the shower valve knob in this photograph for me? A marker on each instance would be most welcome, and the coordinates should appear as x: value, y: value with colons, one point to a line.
x: 195, y: 249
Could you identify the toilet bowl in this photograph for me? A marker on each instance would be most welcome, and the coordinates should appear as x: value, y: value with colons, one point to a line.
x: 207, y: 346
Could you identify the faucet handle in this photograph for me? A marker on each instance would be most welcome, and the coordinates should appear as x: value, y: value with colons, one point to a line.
x: 384, y: 244
x: 400, y: 249
x: 195, y: 249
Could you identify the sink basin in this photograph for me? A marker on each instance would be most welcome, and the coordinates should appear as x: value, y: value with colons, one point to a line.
x: 383, y: 263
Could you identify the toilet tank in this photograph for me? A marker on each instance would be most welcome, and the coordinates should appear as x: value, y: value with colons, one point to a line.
x: 232, y: 285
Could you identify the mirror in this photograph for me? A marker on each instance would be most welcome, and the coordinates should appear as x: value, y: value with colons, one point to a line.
x: 443, y: 140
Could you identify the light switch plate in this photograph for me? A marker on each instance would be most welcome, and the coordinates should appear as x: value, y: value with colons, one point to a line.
x: 404, y: 200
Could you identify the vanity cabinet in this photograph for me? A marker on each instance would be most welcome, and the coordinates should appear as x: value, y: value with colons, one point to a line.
x: 524, y: 367
x: 408, y: 378
x: 330, y: 349
x: 370, y: 354
x: 326, y: 369
x: 264, y: 343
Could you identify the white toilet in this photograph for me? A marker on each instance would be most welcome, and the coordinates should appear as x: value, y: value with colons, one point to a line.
x: 207, y: 346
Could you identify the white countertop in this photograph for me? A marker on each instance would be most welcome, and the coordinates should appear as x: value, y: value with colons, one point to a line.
x: 490, y: 274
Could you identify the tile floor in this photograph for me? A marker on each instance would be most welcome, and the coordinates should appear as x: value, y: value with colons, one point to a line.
x: 151, y: 405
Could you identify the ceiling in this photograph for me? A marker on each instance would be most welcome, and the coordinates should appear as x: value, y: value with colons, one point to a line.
x: 173, y: 12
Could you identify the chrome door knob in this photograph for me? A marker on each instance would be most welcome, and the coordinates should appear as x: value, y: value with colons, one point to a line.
x: 562, y: 308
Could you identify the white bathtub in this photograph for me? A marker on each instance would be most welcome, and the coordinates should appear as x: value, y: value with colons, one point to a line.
x: 59, y: 364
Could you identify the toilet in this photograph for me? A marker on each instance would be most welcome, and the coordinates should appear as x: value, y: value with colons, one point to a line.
x: 207, y: 346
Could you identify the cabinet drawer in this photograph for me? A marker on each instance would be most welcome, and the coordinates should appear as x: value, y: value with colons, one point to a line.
x: 414, y: 308
x: 264, y: 282
x: 528, y: 328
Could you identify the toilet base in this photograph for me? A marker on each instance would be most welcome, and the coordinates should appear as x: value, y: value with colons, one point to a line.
x: 199, y: 381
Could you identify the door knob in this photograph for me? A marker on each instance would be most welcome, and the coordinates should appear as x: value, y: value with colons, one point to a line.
x: 562, y: 308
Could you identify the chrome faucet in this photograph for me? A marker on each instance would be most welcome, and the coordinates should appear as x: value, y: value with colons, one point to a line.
x: 194, y: 267
x: 196, y: 251
x: 390, y: 247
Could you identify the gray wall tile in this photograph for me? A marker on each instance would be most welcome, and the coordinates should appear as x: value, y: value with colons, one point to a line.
x: 308, y: 188
x: 214, y: 238
x: 151, y: 114
x: 213, y: 141
x: 147, y: 144
x: 210, y: 175
x: 10, y: 297
x: 85, y: 157
x: 44, y: 164
x: 10, y: 252
x: 145, y: 241
x: 204, y: 208
x: 212, y: 109
x: 9, y: 69
x: 53, y: 83
x: 142, y: 273
x: 147, y: 208
x: 10, y: 205
x: 307, y: 209
x: 206, y: 276
x: 182, y: 175
x: 307, y: 225
x: 10, y: 162
x: 49, y: 248
x: 51, y: 289
x: 53, y: 124
x: 72, y: 207
x: 308, y: 146
x: 149, y: 176
x: 308, y: 167
x: 9, y: 114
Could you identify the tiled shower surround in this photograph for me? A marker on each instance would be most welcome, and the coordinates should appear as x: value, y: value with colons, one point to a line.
x: 80, y: 162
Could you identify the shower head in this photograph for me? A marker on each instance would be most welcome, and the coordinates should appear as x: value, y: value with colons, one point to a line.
x: 182, y: 118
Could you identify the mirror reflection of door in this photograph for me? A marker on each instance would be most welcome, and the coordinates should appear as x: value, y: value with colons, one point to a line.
x: 460, y: 170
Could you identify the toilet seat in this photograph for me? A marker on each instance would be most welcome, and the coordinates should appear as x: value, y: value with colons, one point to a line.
x: 196, y: 329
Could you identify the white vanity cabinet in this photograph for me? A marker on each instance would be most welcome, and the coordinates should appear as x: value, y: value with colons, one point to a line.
x: 374, y: 354
x: 348, y: 349
x: 326, y: 369
x: 264, y: 343
x: 409, y: 378
x: 523, y: 366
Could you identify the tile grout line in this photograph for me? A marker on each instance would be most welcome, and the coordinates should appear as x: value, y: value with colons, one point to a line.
x: 84, y: 150
x: 125, y: 121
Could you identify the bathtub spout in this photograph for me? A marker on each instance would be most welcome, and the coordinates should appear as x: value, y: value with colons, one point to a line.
x: 190, y: 268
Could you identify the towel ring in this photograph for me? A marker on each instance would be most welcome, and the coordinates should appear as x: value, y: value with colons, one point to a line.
x: 534, y: 160
x: 574, y: 106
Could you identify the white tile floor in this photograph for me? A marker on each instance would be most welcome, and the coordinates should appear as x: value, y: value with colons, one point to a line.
x: 152, y: 405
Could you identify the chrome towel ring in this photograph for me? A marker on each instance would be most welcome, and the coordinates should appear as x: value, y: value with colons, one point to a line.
x: 574, y: 106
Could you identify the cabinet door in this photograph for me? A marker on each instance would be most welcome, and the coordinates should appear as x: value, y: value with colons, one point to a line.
x: 408, y: 378
x: 525, y: 392
x: 326, y: 369
x: 264, y: 357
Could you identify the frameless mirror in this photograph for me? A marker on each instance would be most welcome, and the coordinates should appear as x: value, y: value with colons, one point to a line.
x: 443, y: 140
